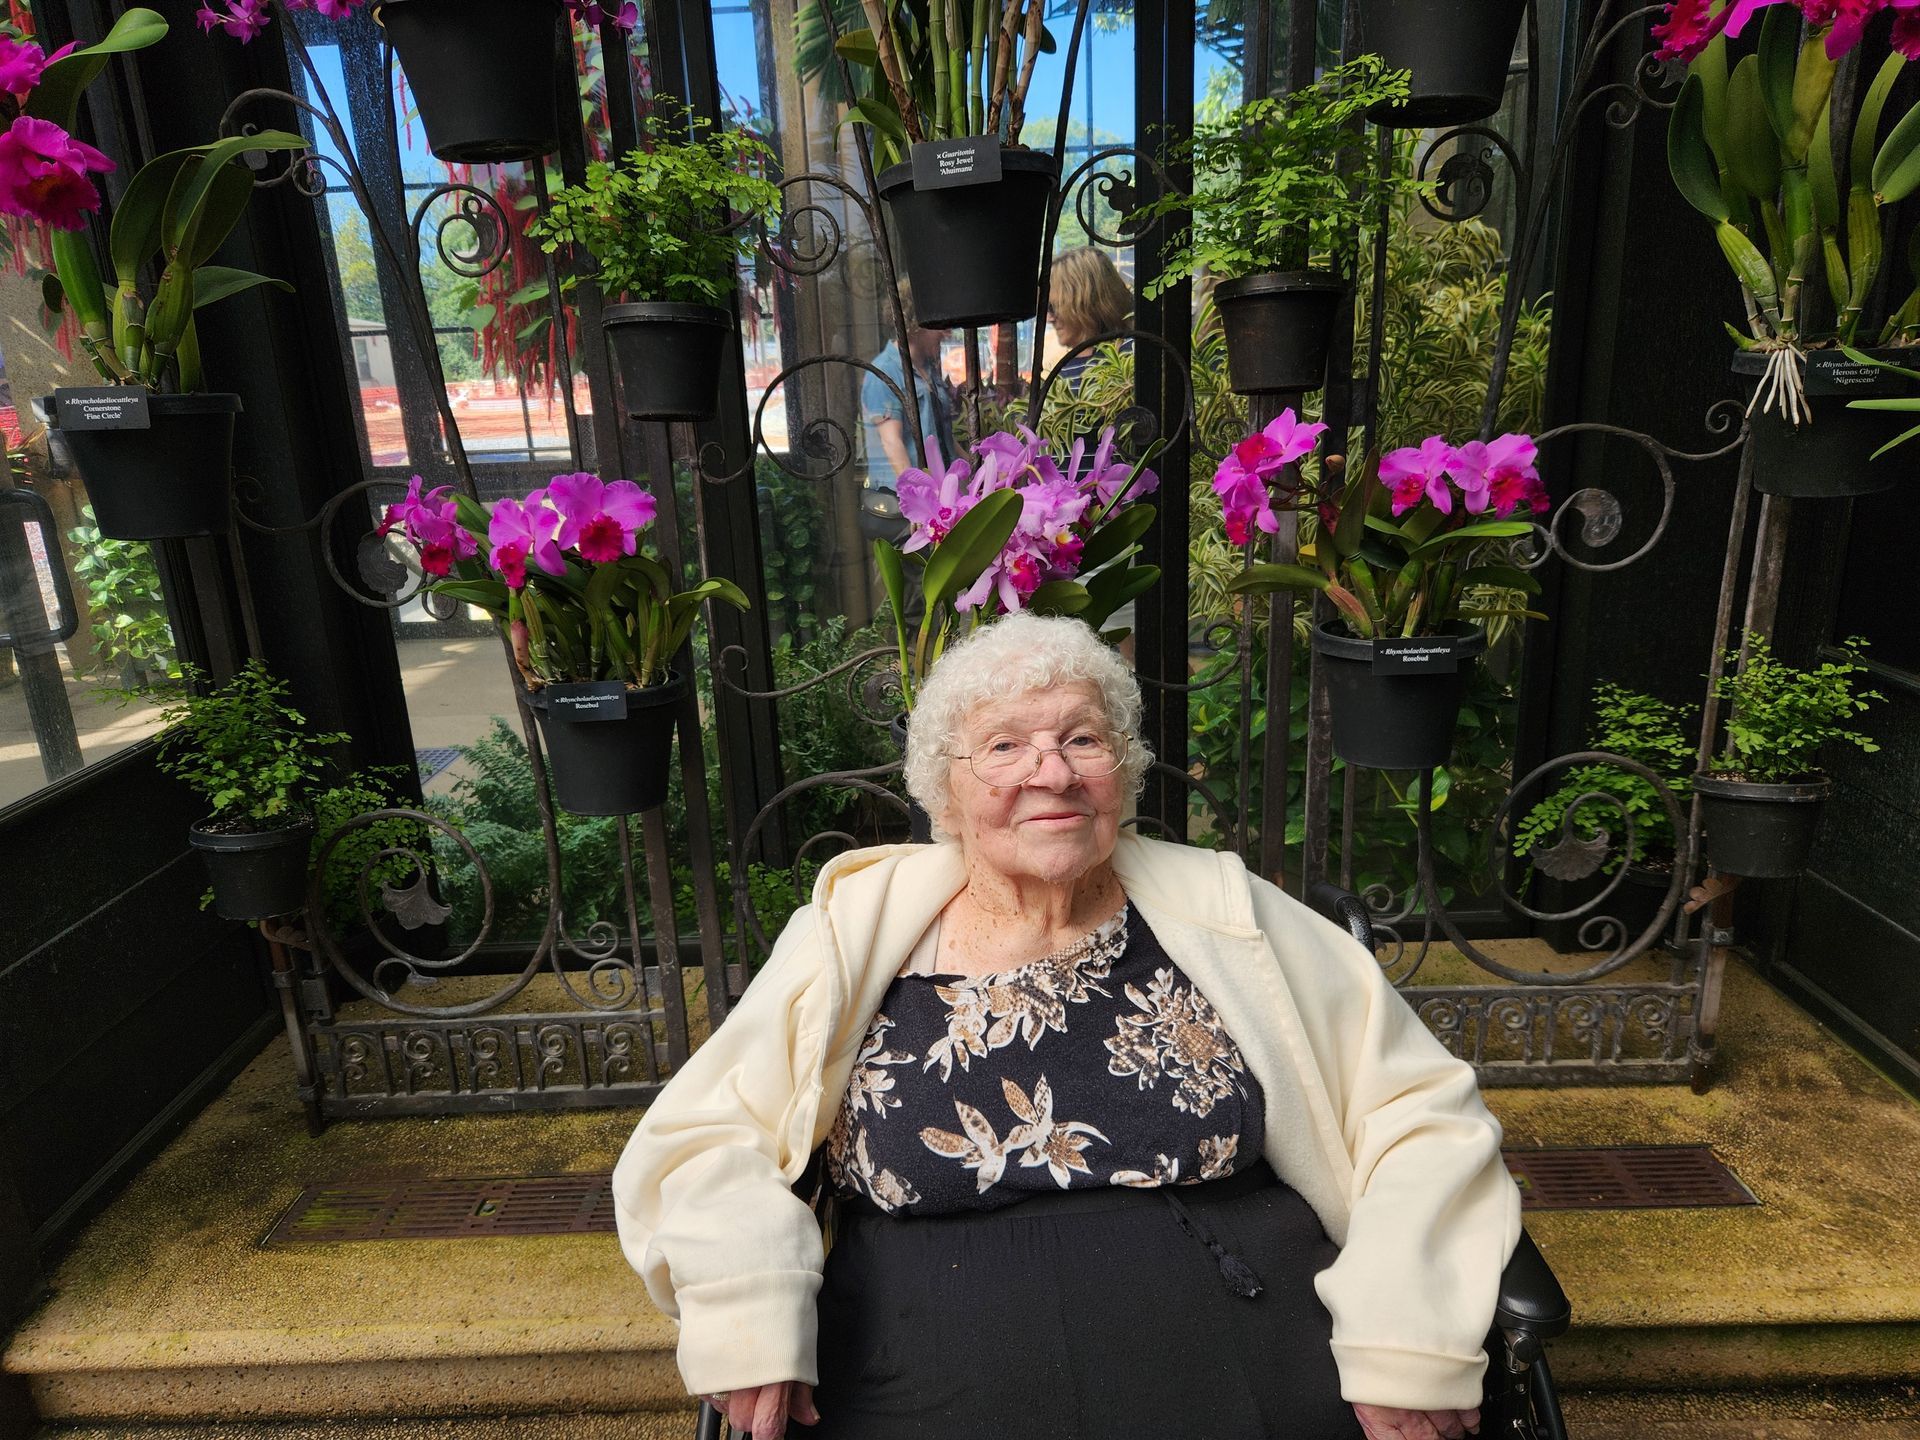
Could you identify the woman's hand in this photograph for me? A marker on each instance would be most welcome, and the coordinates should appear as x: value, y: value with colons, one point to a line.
x: 1383, y: 1422
x: 762, y: 1410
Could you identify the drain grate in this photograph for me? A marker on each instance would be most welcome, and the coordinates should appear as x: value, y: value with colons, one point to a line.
x: 432, y: 760
x: 1679, y: 1177
x: 449, y: 1209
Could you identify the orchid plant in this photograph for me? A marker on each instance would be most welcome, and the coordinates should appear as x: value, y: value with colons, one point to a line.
x: 562, y: 572
x: 245, y: 19
x: 1792, y: 184
x: 1016, y: 528
x: 46, y: 174
x: 1398, y: 552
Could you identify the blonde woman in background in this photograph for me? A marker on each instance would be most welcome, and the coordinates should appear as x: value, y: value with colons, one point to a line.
x: 1088, y: 297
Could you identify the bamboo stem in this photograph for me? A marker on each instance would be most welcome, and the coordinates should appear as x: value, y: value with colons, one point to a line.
x: 881, y: 24
x: 1019, y: 106
x: 1002, y: 62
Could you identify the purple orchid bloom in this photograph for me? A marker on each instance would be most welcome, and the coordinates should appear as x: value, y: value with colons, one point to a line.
x: 519, y: 529
x: 1244, y: 501
x: 1051, y: 508
x: 1107, y: 476
x: 1415, y: 474
x: 1501, y: 474
x: 597, y: 519
x: 934, y: 499
x: 1284, y: 440
x: 404, y: 513
x: 242, y: 19
x: 22, y: 62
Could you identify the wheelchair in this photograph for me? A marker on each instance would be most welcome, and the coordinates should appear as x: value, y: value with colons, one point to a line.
x: 1519, y: 1401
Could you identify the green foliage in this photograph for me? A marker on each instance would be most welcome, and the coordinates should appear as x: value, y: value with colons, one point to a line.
x: 793, y: 525
x: 130, y: 625
x: 374, y: 788
x: 244, y: 750
x: 662, y: 222
x: 1781, y: 716
x: 1640, y: 728
x: 819, y: 730
x: 1286, y: 182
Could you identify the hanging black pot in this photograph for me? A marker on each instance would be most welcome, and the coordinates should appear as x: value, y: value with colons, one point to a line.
x: 1279, y: 327
x: 973, y: 251
x: 1831, y: 457
x: 1457, y: 50
x: 669, y: 356
x: 164, y: 482
x: 1762, y: 832
x: 609, y: 746
x: 484, y: 73
x: 919, y: 823
x: 256, y: 873
x: 1396, y: 721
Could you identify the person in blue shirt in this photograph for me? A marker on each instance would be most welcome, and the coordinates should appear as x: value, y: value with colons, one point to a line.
x: 889, y: 439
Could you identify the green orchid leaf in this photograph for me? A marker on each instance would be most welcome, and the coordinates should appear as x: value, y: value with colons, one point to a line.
x: 1114, y: 587
x: 1059, y: 597
x: 1753, y: 146
x: 1900, y: 439
x: 1116, y: 537
x: 1896, y: 168
x: 217, y: 282
x: 1263, y: 579
x: 974, y: 542
x: 57, y: 96
x: 1866, y: 124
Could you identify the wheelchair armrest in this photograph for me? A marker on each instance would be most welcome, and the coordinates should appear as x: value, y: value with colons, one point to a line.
x: 1344, y: 908
x: 1530, y: 1297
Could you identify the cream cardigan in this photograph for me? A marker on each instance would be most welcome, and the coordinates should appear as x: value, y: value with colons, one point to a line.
x: 1367, y: 1117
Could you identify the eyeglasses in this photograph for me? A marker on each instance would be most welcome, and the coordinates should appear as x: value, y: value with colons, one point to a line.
x: 1009, y: 760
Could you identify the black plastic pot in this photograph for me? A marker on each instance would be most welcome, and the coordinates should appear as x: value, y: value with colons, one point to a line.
x: 1457, y: 50
x: 1278, y: 329
x: 1762, y: 832
x: 919, y: 823
x: 1392, y: 722
x: 484, y: 73
x: 610, y: 766
x: 669, y: 357
x: 256, y: 873
x: 1832, y: 457
x: 165, y: 482
x: 1634, y: 903
x: 973, y: 251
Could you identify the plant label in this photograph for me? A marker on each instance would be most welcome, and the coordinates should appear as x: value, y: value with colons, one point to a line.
x: 970, y: 160
x: 102, y: 407
x: 1424, y: 655
x: 1830, y: 373
x: 588, y: 700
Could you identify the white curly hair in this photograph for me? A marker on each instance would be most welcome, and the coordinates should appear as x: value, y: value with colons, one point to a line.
x: 1013, y: 656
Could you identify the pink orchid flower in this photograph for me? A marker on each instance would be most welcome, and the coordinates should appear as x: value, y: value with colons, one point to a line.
x: 1501, y: 474
x: 43, y: 174
x: 1413, y: 474
x: 22, y: 62
x: 242, y: 19
x: 1107, y: 476
x: 519, y: 529
x: 597, y: 519
x: 1284, y: 440
x: 933, y: 500
x: 1244, y: 501
x: 1687, y: 29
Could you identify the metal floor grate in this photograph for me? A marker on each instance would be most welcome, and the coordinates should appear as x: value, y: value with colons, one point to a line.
x: 1625, y: 1177
x: 449, y: 1209
x: 432, y: 760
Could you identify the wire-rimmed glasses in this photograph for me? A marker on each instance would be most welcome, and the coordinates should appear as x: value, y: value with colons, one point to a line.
x: 1010, y: 760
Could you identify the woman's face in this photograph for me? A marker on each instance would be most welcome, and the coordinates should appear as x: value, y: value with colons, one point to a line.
x: 1057, y: 825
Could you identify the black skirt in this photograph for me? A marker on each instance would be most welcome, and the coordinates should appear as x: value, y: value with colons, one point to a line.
x: 1105, y: 1314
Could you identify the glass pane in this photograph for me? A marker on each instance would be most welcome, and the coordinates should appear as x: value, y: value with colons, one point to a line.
x: 83, y: 617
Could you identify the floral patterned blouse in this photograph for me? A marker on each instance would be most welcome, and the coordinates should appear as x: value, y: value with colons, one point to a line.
x: 1098, y: 1065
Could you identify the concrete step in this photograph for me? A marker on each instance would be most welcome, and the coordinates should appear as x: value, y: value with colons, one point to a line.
x: 1816, y: 1413
x: 583, y: 1425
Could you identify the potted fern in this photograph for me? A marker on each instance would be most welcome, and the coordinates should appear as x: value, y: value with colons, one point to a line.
x: 665, y: 227
x: 1760, y: 801
x: 251, y: 757
x: 1282, y: 189
x: 945, y: 97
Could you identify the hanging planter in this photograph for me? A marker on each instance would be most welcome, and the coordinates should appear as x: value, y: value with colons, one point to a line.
x: 483, y: 73
x: 164, y: 480
x: 1831, y: 457
x: 1457, y: 51
x: 255, y: 873
x: 973, y: 250
x: 669, y: 356
x: 609, y: 745
x: 1396, y: 703
x: 919, y: 823
x: 1759, y: 831
x: 1279, y: 327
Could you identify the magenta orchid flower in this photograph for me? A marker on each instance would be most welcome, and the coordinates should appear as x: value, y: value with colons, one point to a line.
x: 1687, y: 29
x: 241, y: 19
x: 1284, y: 440
x: 597, y: 519
x: 1412, y: 474
x: 1502, y: 474
x: 523, y: 529
x: 22, y: 63
x: 1244, y: 501
x: 934, y: 499
x: 1107, y: 476
x: 43, y: 174
x: 1244, y: 471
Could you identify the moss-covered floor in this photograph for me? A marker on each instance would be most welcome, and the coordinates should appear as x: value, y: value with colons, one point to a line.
x: 169, y: 1308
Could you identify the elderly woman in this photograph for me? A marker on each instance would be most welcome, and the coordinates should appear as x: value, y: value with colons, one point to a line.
x: 1124, y: 1141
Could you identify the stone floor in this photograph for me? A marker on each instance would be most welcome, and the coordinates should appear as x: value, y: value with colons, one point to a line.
x: 168, y: 1308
